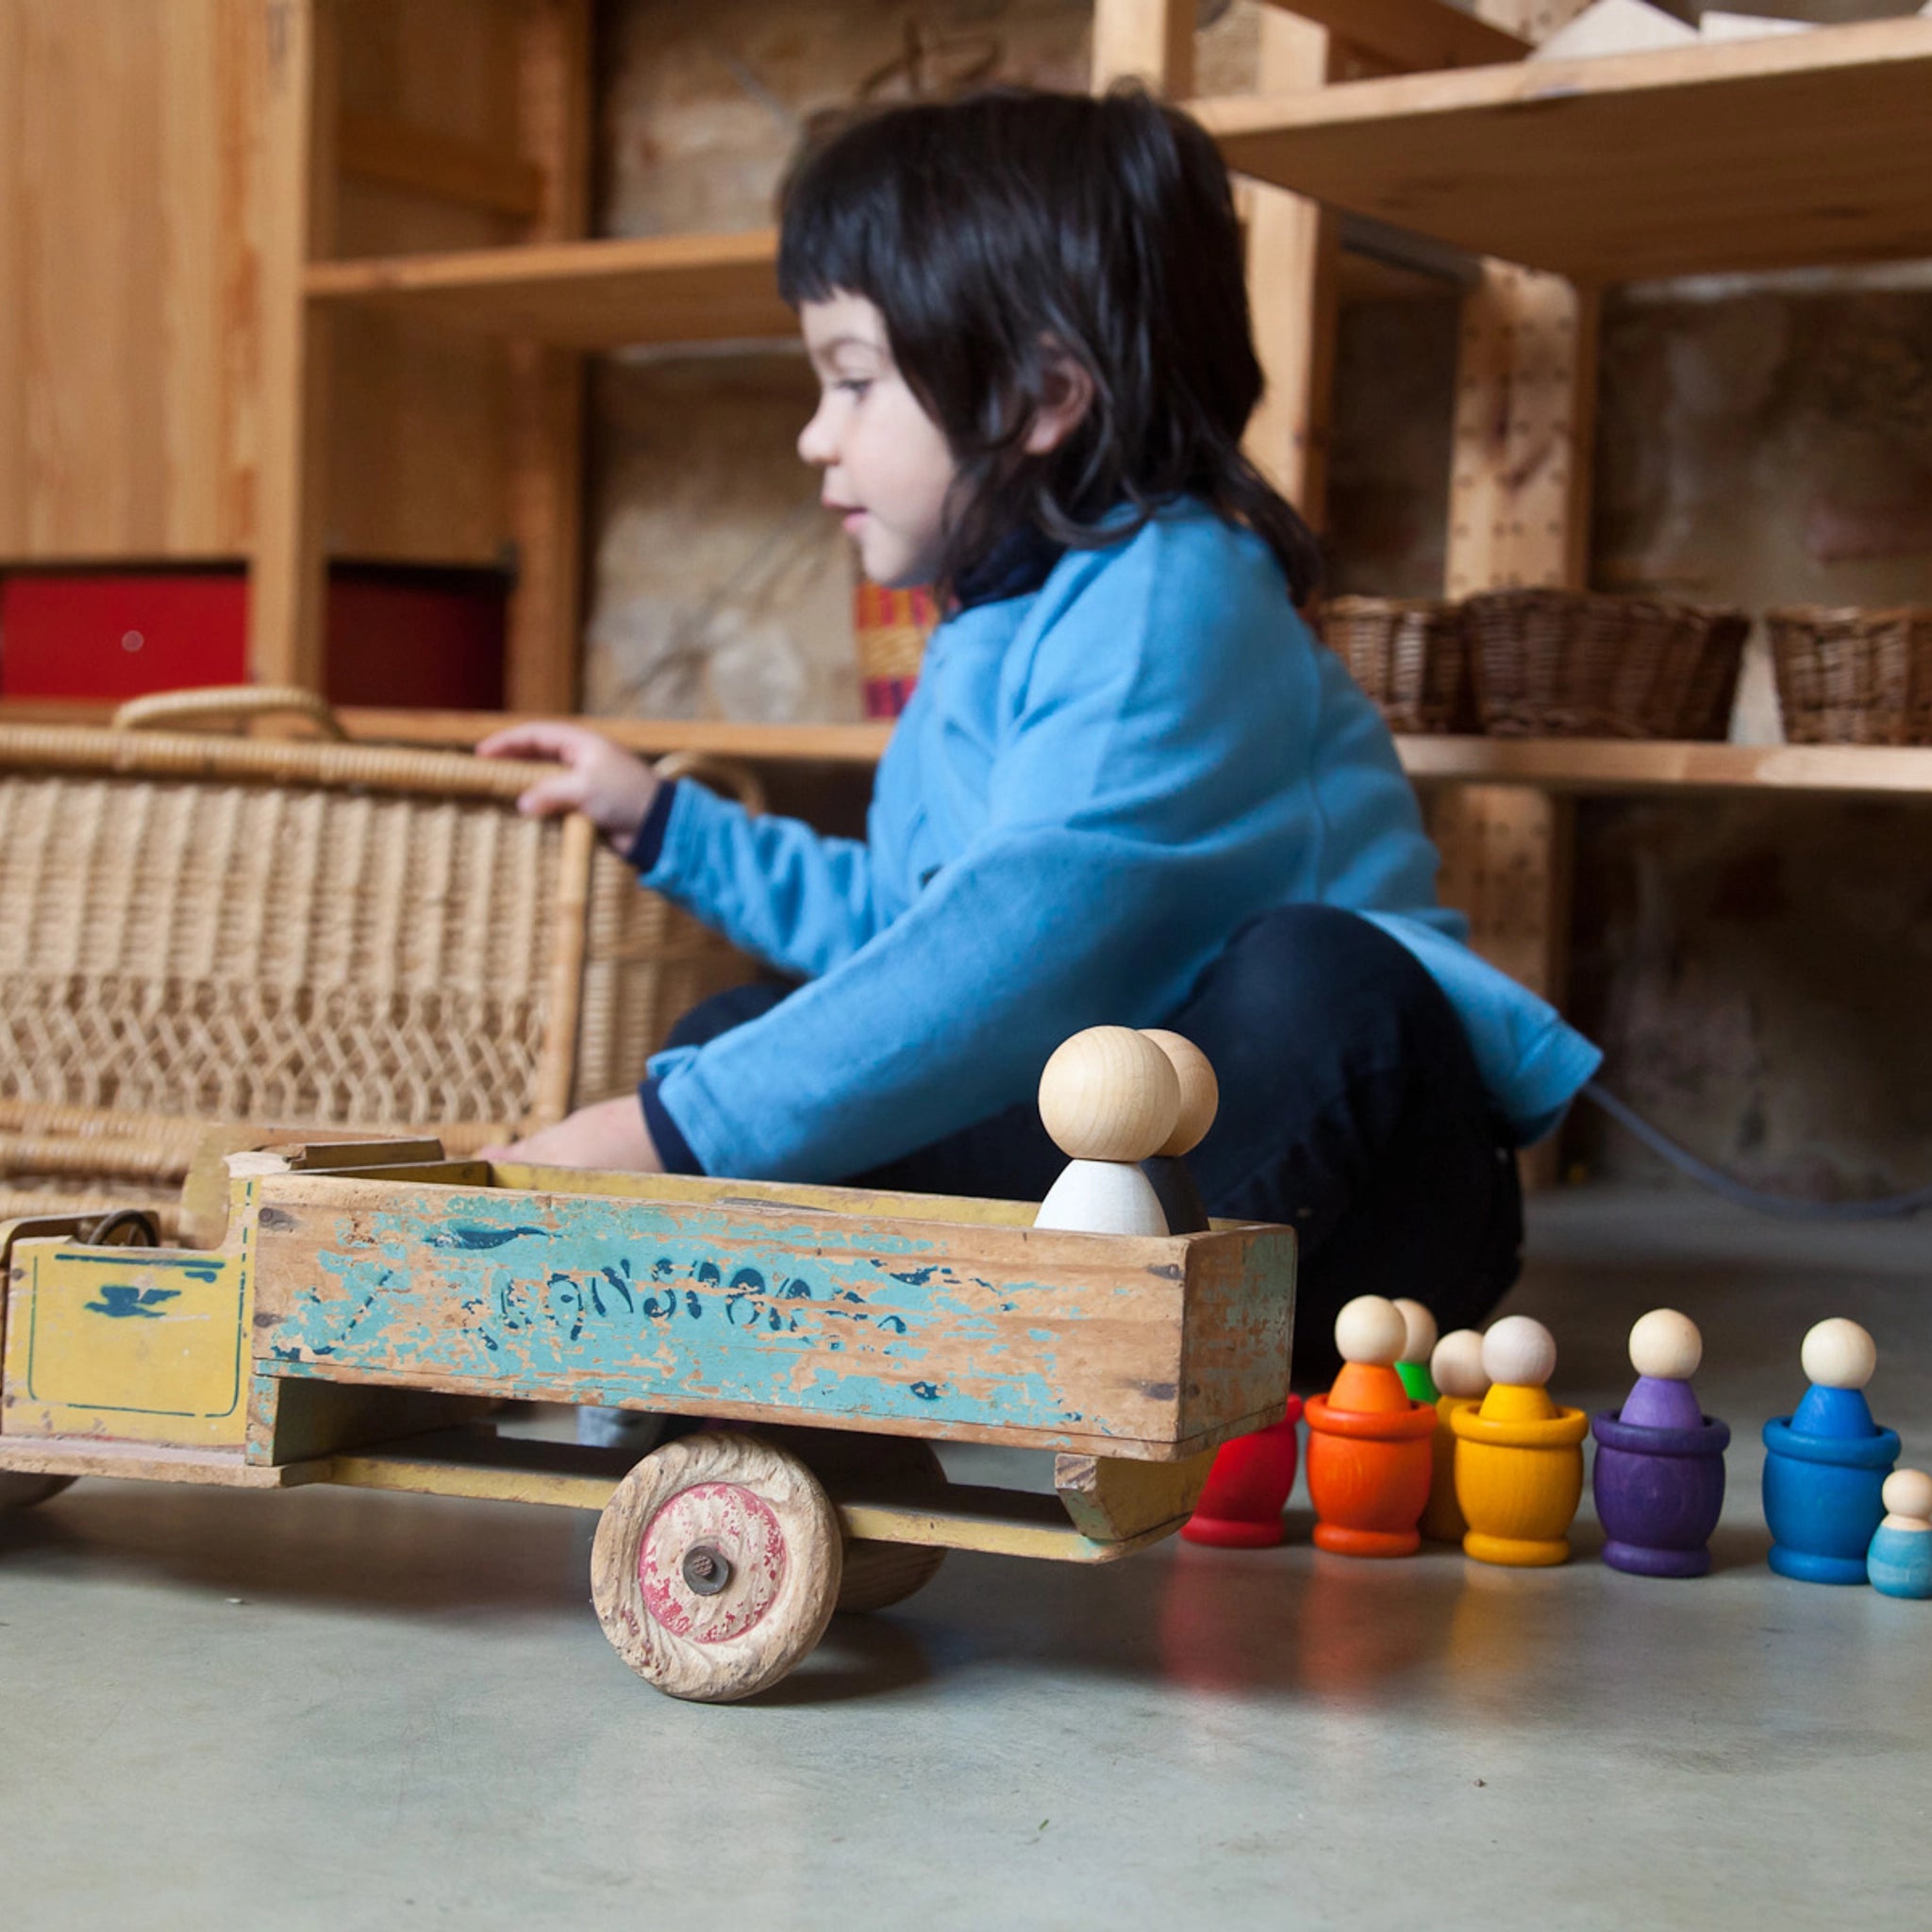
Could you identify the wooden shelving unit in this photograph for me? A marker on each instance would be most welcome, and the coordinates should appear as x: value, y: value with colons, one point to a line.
x: 1543, y: 180
x: 1786, y: 152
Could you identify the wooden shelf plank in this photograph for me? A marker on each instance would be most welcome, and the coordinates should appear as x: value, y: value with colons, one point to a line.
x: 1616, y: 765
x: 1412, y: 34
x: 1580, y: 765
x: 838, y: 745
x: 592, y: 295
x: 579, y: 294
x: 1786, y: 152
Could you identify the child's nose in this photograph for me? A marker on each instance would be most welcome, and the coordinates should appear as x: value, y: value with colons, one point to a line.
x: 815, y: 441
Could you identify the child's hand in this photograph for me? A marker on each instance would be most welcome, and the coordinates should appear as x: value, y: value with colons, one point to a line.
x: 609, y: 1136
x: 607, y: 785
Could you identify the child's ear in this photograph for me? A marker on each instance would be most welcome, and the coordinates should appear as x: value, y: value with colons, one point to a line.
x: 1067, y: 394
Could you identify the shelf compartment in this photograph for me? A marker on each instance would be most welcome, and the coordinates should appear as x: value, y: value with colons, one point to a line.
x: 1795, y: 151
x: 578, y: 295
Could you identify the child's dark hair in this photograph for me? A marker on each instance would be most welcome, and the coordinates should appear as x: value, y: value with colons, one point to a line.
x: 996, y: 232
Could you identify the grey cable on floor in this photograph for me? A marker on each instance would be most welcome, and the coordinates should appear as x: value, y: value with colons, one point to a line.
x: 1886, y: 1208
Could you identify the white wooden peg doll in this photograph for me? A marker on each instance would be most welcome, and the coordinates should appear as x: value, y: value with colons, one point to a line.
x: 1109, y: 1098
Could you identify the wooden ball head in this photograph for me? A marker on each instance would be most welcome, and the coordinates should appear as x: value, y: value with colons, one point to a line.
x: 1519, y: 1353
x: 1200, y: 1090
x: 1908, y: 1493
x: 1369, y: 1331
x: 1455, y: 1367
x: 1666, y: 1345
x: 1419, y: 1340
x: 1109, y: 1093
x: 1839, y: 1354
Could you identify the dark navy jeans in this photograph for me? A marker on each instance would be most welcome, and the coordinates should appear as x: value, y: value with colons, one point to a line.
x: 1351, y: 1110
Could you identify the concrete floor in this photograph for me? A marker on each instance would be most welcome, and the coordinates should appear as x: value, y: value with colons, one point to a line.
x: 345, y: 1710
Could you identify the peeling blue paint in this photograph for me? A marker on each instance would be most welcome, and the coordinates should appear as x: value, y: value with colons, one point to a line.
x: 614, y: 1296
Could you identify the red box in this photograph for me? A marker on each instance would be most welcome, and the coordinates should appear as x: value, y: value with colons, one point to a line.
x: 426, y: 639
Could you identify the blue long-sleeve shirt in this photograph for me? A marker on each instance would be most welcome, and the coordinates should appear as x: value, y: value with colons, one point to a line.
x: 1094, y: 784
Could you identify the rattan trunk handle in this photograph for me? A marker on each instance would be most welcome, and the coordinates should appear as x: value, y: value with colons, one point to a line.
x: 720, y: 773
x: 234, y: 701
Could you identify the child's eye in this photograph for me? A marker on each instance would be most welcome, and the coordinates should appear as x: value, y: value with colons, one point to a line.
x: 855, y: 386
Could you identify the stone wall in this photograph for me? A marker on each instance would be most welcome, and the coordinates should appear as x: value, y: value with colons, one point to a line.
x: 718, y: 589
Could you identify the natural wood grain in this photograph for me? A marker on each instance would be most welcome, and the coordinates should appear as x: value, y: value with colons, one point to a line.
x: 781, y: 1557
x: 378, y: 147
x: 578, y: 295
x: 894, y: 1540
x: 1581, y: 765
x: 1151, y: 40
x: 300, y: 1421
x: 1293, y: 269
x: 1799, y: 149
x: 546, y: 384
x: 288, y: 570
x: 153, y: 1462
x: 606, y: 294
x: 1524, y: 426
x: 1153, y: 1349
x: 420, y: 424
x: 1109, y: 1500
x: 1519, y: 513
x: 1411, y: 35
x: 1000, y: 1523
x: 128, y: 226
x: 553, y: 1095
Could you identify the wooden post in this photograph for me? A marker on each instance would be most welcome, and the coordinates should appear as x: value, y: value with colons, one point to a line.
x: 1519, y: 513
x: 287, y: 574
x: 547, y: 385
x: 1148, y: 40
x: 1293, y: 248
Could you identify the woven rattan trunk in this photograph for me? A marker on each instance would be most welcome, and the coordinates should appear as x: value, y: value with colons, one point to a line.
x: 198, y: 931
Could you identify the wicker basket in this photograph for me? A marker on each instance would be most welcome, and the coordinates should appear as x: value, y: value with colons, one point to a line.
x: 1853, y: 676
x: 197, y: 929
x: 1570, y: 664
x: 1409, y: 654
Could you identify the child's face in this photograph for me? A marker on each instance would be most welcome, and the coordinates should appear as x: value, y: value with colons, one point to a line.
x: 888, y: 466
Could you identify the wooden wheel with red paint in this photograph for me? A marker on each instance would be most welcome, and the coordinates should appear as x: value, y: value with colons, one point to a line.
x: 716, y: 1566
x: 19, y: 1490
x: 876, y: 1575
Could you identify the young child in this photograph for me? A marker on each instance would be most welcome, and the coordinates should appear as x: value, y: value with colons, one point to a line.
x: 1129, y: 787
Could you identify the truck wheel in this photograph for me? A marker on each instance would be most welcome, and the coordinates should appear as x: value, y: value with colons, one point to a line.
x: 877, y: 1576
x: 21, y: 1491
x: 716, y: 1566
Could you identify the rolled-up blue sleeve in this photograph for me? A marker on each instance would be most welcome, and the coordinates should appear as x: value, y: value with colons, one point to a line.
x: 773, y: 885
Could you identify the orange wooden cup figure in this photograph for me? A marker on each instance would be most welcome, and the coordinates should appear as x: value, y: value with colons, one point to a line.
x: 1370, y: 1457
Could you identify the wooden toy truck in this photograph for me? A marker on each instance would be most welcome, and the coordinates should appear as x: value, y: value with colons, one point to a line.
x: 353, y: 1312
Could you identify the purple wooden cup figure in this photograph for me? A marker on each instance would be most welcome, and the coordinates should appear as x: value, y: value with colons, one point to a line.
x: 1659, y: 1476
